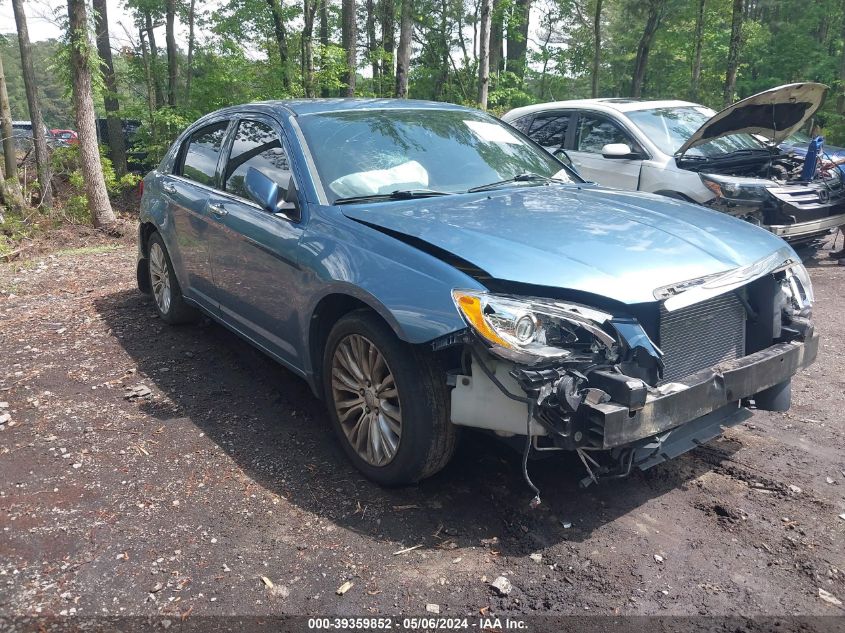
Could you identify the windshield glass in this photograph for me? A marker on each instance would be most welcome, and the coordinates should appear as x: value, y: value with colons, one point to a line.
x: 798, y: 138
x: 377, y: 152
x: 669, y: 128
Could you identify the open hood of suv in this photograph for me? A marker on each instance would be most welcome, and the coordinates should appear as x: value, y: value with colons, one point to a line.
x: 774, y: 114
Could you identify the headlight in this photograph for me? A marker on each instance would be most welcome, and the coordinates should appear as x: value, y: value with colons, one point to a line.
x: 798, y: 291
x: 732, y: 190
x: 532, y: 331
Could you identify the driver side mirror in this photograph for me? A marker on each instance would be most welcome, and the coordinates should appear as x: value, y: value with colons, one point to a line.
x: 271, y: 197
x: 618, y: 150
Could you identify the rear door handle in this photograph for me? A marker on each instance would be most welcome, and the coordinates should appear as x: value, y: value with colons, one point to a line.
x: 169, y: 188
x: 218, y: 210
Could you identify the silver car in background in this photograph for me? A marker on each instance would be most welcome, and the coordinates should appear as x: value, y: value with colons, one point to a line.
x: 687, y: 151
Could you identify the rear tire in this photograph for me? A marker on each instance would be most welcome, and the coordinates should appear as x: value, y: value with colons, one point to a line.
x: 387, y: 400
x: 166, y: 292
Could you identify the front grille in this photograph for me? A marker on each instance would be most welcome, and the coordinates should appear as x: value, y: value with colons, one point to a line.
x: 701, y: 335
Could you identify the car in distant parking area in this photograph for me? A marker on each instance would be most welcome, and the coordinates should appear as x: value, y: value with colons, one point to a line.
x: 425, y: 267
x: 687, y: 151
x: 67, y: 136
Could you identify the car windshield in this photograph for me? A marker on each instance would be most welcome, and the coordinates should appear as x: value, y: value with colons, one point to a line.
x: 669, y: 128
x: 378, y: 152
x: 798, y: 138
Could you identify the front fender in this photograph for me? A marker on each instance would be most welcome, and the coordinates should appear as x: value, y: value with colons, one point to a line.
x: 410, y: 289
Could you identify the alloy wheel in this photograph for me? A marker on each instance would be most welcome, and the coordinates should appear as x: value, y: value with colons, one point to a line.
x: 366, y: 400
x: 160, y: 278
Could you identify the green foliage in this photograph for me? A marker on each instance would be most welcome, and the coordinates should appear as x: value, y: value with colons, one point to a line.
x: 236, y: 58
x: 52, y: 89
x: 159, y: 131
x: 331, y: 72
x: 66, y: 164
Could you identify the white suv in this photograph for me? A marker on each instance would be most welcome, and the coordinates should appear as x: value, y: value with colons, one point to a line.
x: 685, y: 150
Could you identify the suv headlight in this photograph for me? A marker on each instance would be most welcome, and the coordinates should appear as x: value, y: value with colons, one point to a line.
x: 732, y: 190
x: 530, y: 330
x: 798, y: 291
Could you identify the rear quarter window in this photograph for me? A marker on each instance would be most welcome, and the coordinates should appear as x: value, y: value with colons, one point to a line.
x: 522, y: 123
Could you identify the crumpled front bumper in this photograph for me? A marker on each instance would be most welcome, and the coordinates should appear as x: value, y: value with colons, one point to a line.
x: 701, y: 393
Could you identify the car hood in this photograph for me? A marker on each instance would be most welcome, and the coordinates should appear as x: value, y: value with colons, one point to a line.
x: 616, y: 244
x: 774, y: 114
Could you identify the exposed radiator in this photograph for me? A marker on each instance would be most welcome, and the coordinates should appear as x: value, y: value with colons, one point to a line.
x: 701, y: 335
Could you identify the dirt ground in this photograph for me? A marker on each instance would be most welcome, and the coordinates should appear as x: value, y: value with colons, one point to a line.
x: 223, y: 491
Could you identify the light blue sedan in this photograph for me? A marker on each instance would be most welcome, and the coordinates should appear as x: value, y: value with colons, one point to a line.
x: 426, y: 267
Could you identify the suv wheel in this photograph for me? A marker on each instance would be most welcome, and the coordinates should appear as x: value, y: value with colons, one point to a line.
x: 387, y: 401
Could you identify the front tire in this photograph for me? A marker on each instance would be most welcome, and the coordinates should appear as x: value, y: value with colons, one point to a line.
x: 165, y: 289
x: 387, y: 401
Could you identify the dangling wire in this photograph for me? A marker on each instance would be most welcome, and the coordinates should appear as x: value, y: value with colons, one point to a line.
x: 536, y: 500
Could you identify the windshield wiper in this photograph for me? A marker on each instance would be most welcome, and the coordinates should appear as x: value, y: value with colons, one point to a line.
x: 399, y: 194
x: 529, y: 177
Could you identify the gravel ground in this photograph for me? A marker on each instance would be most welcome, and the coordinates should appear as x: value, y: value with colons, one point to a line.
x: 171, y: 472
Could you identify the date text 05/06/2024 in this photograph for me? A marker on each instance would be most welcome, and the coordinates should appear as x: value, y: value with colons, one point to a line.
x: 417, y: 624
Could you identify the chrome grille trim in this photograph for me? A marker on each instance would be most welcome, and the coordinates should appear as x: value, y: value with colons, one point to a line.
x: 701, y: 335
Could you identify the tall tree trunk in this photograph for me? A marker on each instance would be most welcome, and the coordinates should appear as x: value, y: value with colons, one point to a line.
x: 148, y: 76
x: 840, y: 100
x: 372, y: 44
x: 309, y: 12
x: 11, y: 189
x: 518, y: 37
x: 484, y: 55
x: 189, y: 71
x: 655, y: 14
x: 349, y: 41
x: 154, y: 66
x: 497, y: 31
x: 733, y: 52
x: 596, y: 49
x: 281, y: 39
x: 443, y: 79
x: 117, y: 147
x: 403, y: 53
x: 324, y: 42
x: 42, y: 156
x: 172, y: 70
x: 83, y: 102
x: 698, y: 38
x: 388, y: 39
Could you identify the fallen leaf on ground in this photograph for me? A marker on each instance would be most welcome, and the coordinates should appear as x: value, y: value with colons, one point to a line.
x: 829, y: 597
x: 344, y: 587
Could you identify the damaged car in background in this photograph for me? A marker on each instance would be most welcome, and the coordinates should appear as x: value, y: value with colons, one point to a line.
x: 728, y: 160
x: 425, y: 268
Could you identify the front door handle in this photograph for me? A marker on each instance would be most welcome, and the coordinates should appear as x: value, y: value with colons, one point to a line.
x: 218, y: 210
x: 169, y: 188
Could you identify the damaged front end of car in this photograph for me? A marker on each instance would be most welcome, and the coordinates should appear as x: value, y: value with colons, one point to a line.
x: 798, y: 198
x: 630, y: 390
x: 768, y: 191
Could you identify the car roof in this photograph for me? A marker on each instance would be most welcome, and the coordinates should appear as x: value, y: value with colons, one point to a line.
x: 299, y: 107
x: 600, y: 105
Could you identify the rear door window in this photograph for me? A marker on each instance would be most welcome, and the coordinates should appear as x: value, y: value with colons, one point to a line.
x: 202, y: 153
x: 256, y: 145
x: 550, y: 129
